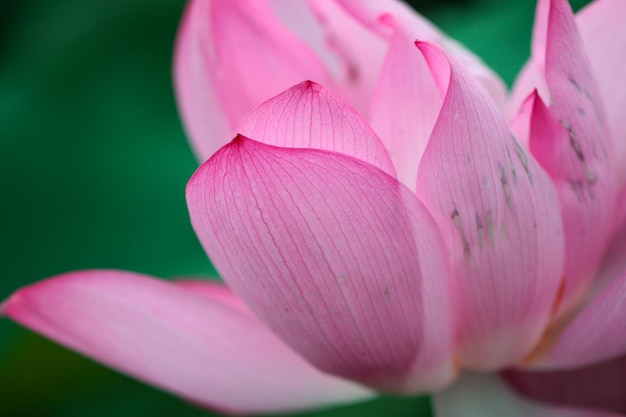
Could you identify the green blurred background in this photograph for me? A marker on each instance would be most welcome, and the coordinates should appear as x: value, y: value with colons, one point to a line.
x: 94, y: 169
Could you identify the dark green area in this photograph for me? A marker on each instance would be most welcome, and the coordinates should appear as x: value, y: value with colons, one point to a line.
x: 94, y: 168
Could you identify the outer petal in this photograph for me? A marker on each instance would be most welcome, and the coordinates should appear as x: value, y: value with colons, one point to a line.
x: 405, y: 106
x: 501, y: 213
x: 230, y: 57
x: 336, y: 256
x: 198, y: 347
x: 602, y: 29
x: 600, y: 386
x: 309, y: 116
x: 488, y: 396
x: 373, y: 13
x: 580, y: 158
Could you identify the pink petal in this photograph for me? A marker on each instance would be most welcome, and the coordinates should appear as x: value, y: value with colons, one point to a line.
x: 405, y: 106
x: 309, y: 116
x: 548, y: 139
x: 375, y: 13
x: 477, y: 395
x: 600, y: 386
x: 360, y: 49
x: 577, y: 149
x: 348, y: 50
x: 594, y: 335
x: 501, y: 215
x: 520, y: 124
x: 230, y: 57
x: 613, y: 264
x: 198, y: 347
x: 215, y: 291
x: 602, y: 29
x: 620, y: 211
x: 336, y: 256
x: 300, y: 18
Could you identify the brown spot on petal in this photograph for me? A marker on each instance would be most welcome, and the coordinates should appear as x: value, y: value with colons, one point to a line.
x: 458, y: 224
x: 511, y: 166
x: 574, y: 83
x: 480, y: 229
x: 505, y: 186
x: 578, y: 188
x: 521, y: 155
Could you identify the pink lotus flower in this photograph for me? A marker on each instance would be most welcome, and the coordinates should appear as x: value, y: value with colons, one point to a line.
x: 424, y: 254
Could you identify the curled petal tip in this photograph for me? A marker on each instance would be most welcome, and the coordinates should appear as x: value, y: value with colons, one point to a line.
x: 439, y: 63
x: 239, y: 139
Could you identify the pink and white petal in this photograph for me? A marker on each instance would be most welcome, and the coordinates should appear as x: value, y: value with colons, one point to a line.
x: 613, y: 264
x: 476, y: 395
x: 197, y: 347
x: 361, y: 52
x: 231, y: 56
x: 583, y: 161
x: 601, y: 386
x: 501, y: 214
x: 204, y: 119
x: 336, y: 256
x: 405, y: 106
x: 214, y: 290
x: 602, y: 29
x: 300, y: 19
x: 309, y: 116
x: 374, y: 13
x: 596, y: 334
